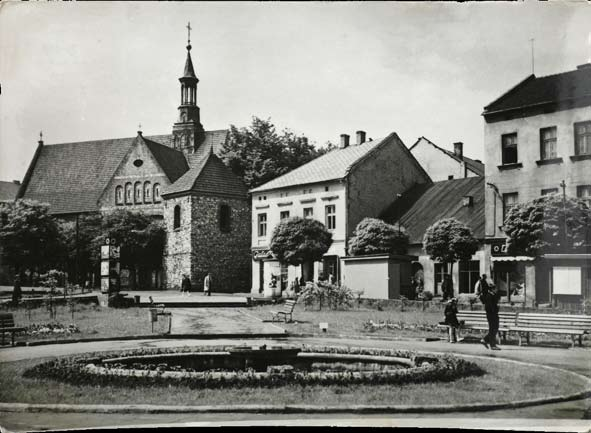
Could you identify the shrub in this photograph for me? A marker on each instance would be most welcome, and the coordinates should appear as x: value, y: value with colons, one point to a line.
x: 425, y: 295
x: 374, y: 236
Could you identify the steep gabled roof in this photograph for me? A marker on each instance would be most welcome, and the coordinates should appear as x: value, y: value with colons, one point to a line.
x: 423, y: 205
x: 213, y: 140
x: 475, y: 166
x: 541, y: 90
x: 333, y: 165
x: 172, y: 161
x: 209, y: 176
x: 8, y: 190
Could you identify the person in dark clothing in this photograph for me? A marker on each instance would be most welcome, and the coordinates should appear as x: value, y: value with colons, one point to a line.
x: 490, y: 298
x: 17, y: 292
x: 447, y: 287
x: 186, y: 285
x: 451, y: 319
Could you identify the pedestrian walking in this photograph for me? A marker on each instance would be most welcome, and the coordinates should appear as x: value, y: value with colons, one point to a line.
x: 186, y: 285
x: 207, y: 285
x: 451, y: 320
x: 490, y: 298
x: 447, y: 287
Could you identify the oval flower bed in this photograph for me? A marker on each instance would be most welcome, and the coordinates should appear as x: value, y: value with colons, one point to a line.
x: 98, y: 370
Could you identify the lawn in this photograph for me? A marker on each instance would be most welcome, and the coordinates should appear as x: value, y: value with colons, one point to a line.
x: 503, y: 382
x: 91, y: 320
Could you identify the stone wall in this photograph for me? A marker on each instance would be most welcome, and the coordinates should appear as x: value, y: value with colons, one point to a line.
x: 177, y: 250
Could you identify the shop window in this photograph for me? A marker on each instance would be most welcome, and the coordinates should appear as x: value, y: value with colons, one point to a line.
x: 119, y: 195
x: 262, y: 224
x: 147, y: 192
x: 548, y: 143
x: 441, y: 270
x: 509, y: 148
x: 469, y: 273
x: 177, y: 217
x: 566, y: 280
x: 225, y: 218
x: 509, y: 278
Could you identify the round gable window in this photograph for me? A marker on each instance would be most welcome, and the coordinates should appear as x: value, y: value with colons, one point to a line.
x: 138, y: 162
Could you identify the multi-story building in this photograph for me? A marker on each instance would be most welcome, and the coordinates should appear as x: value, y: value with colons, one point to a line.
x: 537, y: 139
x: 338, y: 189
x: 442, y: 164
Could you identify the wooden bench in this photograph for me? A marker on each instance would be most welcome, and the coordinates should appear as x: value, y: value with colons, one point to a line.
x: 7, y: 326
x: 573, y: 325
x: 477, y: 320
x: 287, y: 311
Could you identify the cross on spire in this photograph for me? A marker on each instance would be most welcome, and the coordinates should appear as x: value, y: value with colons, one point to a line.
x: 40, y: 135
x: 189, y: 31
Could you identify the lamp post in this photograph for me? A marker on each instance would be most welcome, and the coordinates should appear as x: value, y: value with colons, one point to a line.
x: 563, y: 186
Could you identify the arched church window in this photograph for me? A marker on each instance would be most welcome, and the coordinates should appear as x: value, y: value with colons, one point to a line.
x: 119, y: 195
x: 147, y: 192
x: 128, y: 193
x: 177, y: 217
x: 156, y: 193
x: 225, y: 218
x: 138, y: 192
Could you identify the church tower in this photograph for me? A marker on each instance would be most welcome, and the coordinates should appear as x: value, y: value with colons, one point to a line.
x: 187, y: 132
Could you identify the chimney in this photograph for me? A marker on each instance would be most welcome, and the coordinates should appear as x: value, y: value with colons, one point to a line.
x: 584, y: 66
x: 360, y: 137
x: 344, y: 141
x: 459, y: 149
x: 16, y: 182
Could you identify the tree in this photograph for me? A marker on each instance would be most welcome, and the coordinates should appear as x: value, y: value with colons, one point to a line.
x: 551, y: 223
x: 78, y: 236
x: 29, y: 236
x: 300, y: 241
x: 259, y: 154
x: 141, y: 238
x: 448, y: 241
x: 374, y: 236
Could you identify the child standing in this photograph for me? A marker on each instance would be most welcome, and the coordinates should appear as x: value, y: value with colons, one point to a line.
x: 451, y: 319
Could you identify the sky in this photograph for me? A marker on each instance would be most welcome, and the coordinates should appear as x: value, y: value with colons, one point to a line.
x: 85, y: 71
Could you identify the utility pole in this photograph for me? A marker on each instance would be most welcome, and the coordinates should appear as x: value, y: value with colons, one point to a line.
x: 563, y: 186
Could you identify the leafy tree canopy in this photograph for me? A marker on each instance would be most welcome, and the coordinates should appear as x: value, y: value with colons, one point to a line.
x: 300, y: 240
x: 538, y: 226
x: 449, y: 240
x: 29, y: 236
x: 374, y: 236
x: 258, y: 153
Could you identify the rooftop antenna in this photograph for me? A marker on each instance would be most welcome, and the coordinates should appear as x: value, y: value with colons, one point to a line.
x: 532, y: 56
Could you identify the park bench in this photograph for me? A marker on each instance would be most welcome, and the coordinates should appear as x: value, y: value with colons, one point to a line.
x: 477, y: 320
x: 287, y: 311
x: 7, y: 326
x: 573, y: 325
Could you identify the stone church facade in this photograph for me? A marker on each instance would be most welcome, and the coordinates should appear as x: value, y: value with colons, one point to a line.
x: 177, y: 178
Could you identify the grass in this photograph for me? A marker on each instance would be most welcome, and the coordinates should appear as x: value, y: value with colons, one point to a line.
x: 92, y: 320
x: 503, y: 382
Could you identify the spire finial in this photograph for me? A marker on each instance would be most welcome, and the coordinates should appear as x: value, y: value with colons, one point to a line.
x: 40, y: 135
x: 189, y: 36
x: 139, y: 129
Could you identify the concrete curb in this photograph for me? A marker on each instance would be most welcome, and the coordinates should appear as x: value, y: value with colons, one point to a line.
x: 302, y: 408
x: 364, y: 337
x: 152, y: 337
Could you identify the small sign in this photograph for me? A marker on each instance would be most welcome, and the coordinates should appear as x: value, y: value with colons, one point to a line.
x: 115, y: 252
x: 104, y: 252
x: 104, y: 269
x: 499, y: 248
x: 105, y: 285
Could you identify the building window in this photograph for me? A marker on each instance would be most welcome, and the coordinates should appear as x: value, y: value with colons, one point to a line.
x: 284, y: 215
x: 128, y: 193
x: 331, y: 217
x: 119, y: 195
x: 147, y: 192
x: 584, y: 192
x: 583, y: 138
x: 548, y: 143
x: 326, y: 188
x: 450, y: 177
x: 469, y: 272
x: 225, y: 218
x: 441, y: 271
x: 156, y: 193
x: 177, y: 217
x: 509, y: 148
x: 138, y: 192
x: 549, y: 191
x: 308, y: 212
x: 509, y: 200
x: 262, y: 224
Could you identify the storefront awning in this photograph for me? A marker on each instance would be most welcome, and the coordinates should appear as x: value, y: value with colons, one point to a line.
x: 512, y: 258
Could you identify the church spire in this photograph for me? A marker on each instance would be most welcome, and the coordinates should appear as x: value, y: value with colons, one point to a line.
x: 188, y: 132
